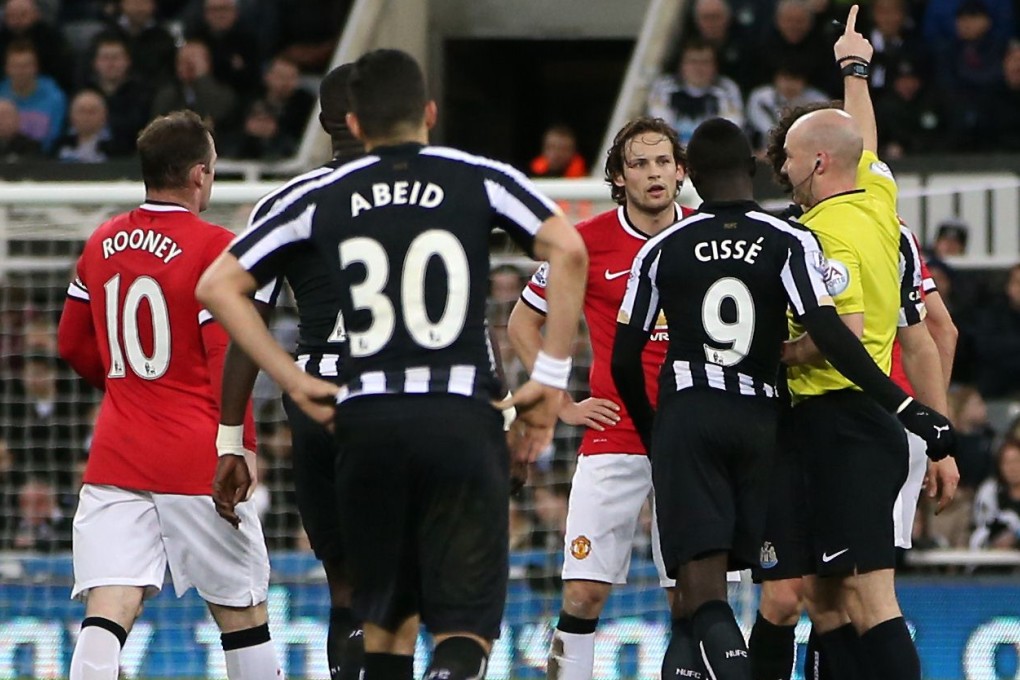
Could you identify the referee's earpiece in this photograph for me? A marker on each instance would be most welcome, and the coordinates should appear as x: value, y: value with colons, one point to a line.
x: 818, y: 161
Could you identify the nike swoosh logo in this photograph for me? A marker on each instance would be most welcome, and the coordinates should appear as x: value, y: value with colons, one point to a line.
x: 615, y: 275
x: 826, y: 557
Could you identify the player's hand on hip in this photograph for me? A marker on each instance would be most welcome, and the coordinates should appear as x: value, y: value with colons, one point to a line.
x: 941, y: 481
x: 317, y: 398
x: 593, y: 412
x: 931, y: 426
x: 232, y: 484
x: 852, y: 43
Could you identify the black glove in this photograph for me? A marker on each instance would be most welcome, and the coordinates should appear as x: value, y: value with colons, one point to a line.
x: 934, y: 428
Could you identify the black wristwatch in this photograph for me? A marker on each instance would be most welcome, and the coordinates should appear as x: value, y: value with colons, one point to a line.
x: 856, y: 69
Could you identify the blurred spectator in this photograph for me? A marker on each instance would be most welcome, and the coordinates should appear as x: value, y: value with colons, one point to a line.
x: 941, y: 19
x: 23, y: 21
x: 950, y: 238
x: 7, y: 490
x: 996, y: 341
x: 766, y: 104
x: 696, y: 93
x: 40, y: 526
x: 235, y: 53
x: 14, y: 145
x: 42, y: 105
x: 309, y: 31
x: 549, y: 529
x: 128, y: 100
x: 997, y: 503
x: 281, y: 520
x: 968, y: 66
x: 907, y: 113
x: 895, y: 40
x: 975, y: 436
x: 559, y: 157
x: 43, y: 422
x: 151, y: 46
x: 520, y: 525
x: 712, y: 22
x: 1005, y: 102
x: 289, y: 103
x: 795, y: 37
x: 260, y: 137
x: 196, y: 88
x: 505, y: 284
x: 88, y: 138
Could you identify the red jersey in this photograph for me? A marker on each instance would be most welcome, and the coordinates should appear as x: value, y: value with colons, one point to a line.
x: 160, y: 353
x: 896, y: 372
x: 612, y: 243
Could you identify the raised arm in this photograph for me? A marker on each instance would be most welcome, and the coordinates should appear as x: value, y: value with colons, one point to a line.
x: 851, y: 48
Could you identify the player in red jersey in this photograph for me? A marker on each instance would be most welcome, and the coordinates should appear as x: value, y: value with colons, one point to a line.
x: 132, y: 326
x: 645, y: 169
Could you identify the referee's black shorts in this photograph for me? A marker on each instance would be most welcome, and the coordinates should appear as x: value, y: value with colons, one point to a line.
x: 711, y: 454
x: 423, y: 489
x: 786, y: 543
x: 314, y: 463
x: 855, y: 458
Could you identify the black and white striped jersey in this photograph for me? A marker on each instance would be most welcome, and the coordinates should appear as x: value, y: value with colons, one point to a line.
x: 724, y: 279
x: 405, y: 235
x: 912, y: 309
x: 318, y: 306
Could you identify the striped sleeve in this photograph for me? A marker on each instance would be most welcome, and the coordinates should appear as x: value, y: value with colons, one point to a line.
x: 928, y: 284
x: 805, y: 268
x: 518, y: 206
x: 533, y: 294
x: 640, y: 307
x: 912, y: 309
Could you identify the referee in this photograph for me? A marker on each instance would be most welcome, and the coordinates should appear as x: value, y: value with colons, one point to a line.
x: 854, y: 454
x: 724, y: 277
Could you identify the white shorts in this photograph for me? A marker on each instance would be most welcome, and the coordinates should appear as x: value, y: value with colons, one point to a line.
x: 128, y: 538
x: 606, y: 496
x: 906, y: 501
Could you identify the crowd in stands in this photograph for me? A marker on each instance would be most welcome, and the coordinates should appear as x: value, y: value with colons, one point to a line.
x: 80, y: 78
x: 945, y: 75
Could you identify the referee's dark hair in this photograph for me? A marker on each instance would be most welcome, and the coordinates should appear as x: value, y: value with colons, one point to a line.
x: 775, y: 151
x: 387, y: 91
x: 616, y: 156
x: 170, y: 146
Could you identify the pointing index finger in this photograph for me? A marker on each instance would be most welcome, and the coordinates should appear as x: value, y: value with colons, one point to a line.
x: 851, y: 20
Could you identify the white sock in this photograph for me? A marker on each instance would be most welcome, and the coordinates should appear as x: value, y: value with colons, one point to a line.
x: 96, y: 655
x: 257, y: 662
x: 572, y: 656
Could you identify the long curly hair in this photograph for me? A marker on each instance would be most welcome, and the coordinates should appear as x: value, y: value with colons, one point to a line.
x: 775, y: 153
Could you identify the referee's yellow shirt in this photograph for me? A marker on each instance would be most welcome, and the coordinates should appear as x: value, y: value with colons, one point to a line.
x: 860, y: 234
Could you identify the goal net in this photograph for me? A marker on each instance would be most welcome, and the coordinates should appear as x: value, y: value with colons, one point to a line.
x: 46, y: 415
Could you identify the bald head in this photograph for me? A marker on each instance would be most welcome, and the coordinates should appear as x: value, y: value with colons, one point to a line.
x: 831, y: 132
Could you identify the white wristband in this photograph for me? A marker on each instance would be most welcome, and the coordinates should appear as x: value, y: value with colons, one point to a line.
x: 509, y: 413
x: 903, y: 405
x: 230, y: 440
x: 551, y: 371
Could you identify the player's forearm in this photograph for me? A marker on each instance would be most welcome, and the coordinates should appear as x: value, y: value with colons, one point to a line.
x: 857, y: 102
x: 944, y: 332
x: 629, y: 376
x: 922, y: 365
x: 568, y: 266
x: 804, y: 350
x: 239, y: 374
x: 224, y: 290
x: 525, y: 331
x: 845, y: 352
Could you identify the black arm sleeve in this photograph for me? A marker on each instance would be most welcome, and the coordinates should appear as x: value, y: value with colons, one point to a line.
x: 629, y: 376
x: 846, y: 353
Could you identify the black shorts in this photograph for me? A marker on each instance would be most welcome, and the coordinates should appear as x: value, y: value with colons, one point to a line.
x: 786, y: 544
x: 423, y: 489
x: 314, y: 462
x: 855, y: 459
x: 711, y: 454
